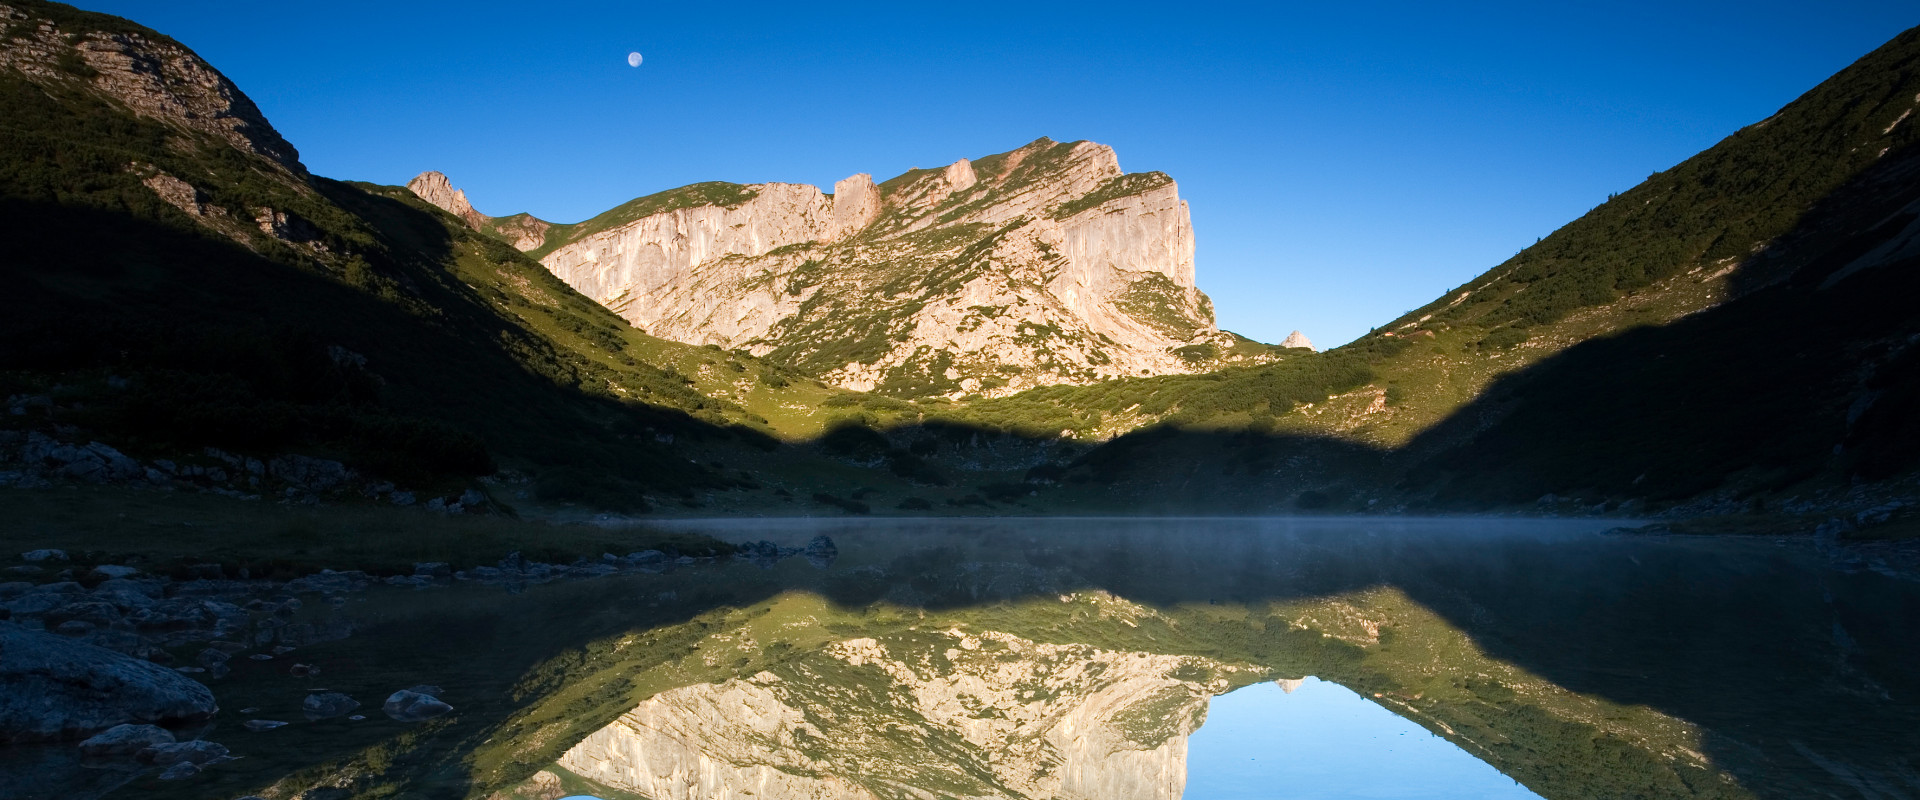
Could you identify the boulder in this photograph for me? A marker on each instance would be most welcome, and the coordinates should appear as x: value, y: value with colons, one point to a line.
x: 124, y: 740
x: 47, y: 554
x: 56, y: 688
x: 326, y: 705
x: 408, y: 705
x: 820, y: 552
x: 198, y: 751
x: 180, y: 771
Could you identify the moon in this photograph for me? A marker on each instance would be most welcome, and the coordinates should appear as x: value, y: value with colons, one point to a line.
x: 633, y: 59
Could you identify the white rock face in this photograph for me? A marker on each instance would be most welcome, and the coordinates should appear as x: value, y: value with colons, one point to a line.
x: 856, y: 204
x: 434, y: 188
x: 894, y: 717
x: 1040, y: 266
x: 1297, y: 339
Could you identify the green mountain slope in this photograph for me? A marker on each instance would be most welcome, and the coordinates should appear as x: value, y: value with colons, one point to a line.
x: 1686, y: 336
x: 176, y: 280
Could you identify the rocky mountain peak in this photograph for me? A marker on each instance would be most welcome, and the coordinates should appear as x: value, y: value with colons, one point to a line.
x: 1297, y: 339
x: 1038, y: 266
x: 1070, y: 721
x: 856, y: 204
x: 434, y: 188
x: 146, y: 72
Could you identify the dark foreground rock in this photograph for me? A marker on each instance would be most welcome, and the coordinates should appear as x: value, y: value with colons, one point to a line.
x: 413, y: 705
x: 52, y: 687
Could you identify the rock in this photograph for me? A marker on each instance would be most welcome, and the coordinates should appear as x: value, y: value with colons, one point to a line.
x: 198, y: 751
x: 434, y: 188
x: 472, y: 498
x: 74, y: 627
x: 408, y: 705
x: 304, y: 671
x: 327, y: 705
x: 1100, y: 262
x: 115, y: 571
x: 820, y: 551
x: 1298, y: 340
x: 356, y: 718
x: 124, y: 740
x: 56, y: 688
x: 44, y: 555
x: 310, y: 474
x: 433, y: 569
x: 258, y: 725
x: 180, y: 771
x: 401, y: 498
x: 212, y: 656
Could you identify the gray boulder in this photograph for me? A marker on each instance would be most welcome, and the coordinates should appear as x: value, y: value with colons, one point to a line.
x: 326, y: 705
x: 124, y: 740
x: 198, y: 752
x: 56, y: 688
x: 408, y: 705
x: 180, y: 771
x: 46, y: 554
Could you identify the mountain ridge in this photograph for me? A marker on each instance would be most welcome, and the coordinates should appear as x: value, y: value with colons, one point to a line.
x: 1053, y: 267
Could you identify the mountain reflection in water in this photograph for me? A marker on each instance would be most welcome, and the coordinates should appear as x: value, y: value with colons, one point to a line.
x: 1076, y: 659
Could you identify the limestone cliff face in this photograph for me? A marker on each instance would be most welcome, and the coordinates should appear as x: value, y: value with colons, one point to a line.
x: 434, y: 188
x: 931, y: 714
x: 1039, y: 266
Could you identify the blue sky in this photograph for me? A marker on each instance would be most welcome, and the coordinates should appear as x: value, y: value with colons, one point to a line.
x: 1325, y: 742
x: 1345, y: 162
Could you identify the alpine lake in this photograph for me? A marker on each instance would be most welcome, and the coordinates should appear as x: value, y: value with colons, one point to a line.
x: 1108, y: 659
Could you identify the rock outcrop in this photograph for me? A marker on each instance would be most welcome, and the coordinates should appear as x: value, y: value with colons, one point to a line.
x: 934, y: 714
x: 1040, y: 266
x: 54, y: 688
x: 1297, y: 339
x: 434, y: 188
x: 152, y: 75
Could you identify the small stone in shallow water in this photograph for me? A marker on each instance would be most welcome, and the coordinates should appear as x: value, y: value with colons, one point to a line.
x: 326, y: 705
x: 260, y: 657
x: 198, y: 751
x: 124, y: 740
x: 250, y: 710
x: 180, y: 771
x: 356, y: 717
x: 257, y: 725
x: 304, y: 671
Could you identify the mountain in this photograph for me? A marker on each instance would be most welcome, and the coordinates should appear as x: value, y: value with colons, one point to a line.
x: 946, y: 714
x: 177, y: 280
x: 1731, y: 334
x: 1040, y: 266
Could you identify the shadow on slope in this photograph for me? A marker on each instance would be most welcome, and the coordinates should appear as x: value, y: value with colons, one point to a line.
x: 1808, y: 371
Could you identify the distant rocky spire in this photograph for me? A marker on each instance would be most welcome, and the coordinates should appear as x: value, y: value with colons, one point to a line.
x: 1289, y: 684
x: 1297, y: 339
x: 434, y: 188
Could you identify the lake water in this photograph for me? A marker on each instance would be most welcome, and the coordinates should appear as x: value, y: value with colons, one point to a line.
x: 1151, y: 659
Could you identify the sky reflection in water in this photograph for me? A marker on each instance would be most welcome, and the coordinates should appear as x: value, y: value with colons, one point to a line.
x: 1324, y: 741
